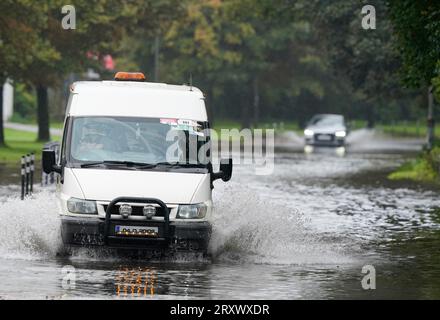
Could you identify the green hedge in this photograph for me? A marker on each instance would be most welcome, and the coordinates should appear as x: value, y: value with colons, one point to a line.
x: 425, y: 168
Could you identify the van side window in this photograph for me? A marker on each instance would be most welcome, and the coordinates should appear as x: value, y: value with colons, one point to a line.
x: 62, y: 157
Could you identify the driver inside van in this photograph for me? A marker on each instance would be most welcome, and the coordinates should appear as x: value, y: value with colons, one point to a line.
x: 93, y: 140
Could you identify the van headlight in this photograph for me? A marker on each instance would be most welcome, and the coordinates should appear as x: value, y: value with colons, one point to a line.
x: 192, y: 211
x: 340, y: 134
x: 308, y: 133
x: 75, y: 205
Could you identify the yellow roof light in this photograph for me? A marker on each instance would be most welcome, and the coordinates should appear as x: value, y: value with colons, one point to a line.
x: 130, y: 76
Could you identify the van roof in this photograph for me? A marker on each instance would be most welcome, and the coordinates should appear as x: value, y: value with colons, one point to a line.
x: 136, y: 99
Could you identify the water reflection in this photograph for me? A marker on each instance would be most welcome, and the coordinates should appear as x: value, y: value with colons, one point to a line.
x: 135, y: 282
x: 121, y: 278
x: 339, y: 151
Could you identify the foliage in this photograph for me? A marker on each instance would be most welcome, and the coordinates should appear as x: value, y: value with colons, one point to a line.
x: 20, y: 39
x: 37, y: 50
x: 248, y: 62
x: 366, y: 57
x: 426, y: 168
x: 417, y: 26
x: 24, y: 101
x: 255, y: 59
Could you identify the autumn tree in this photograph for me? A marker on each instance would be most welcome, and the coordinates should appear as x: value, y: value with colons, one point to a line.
x: 36, y: 49
x: 246, y: 61
x: 20, y: 42
x: 99, y: 25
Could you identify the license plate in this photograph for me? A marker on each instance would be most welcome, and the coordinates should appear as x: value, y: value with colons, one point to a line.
x: 324, y: 137
x: 137, y: 231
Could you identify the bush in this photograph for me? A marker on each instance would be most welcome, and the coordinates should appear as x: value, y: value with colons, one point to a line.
x: 425, y: 168
x: 433, y: 158
x: 25, y: 102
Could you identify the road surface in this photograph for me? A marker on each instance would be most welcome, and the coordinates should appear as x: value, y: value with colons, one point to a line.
x: 306, y: 231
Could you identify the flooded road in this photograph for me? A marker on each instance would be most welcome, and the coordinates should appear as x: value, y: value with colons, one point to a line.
x: 304, y: 232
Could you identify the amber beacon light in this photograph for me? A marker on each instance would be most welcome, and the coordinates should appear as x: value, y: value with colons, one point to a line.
x: 130, y: 76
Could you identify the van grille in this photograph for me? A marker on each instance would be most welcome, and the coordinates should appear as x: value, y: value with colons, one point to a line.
x: 136, y: 211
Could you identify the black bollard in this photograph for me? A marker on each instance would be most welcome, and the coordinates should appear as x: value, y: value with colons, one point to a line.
x: 22, y: 177
x: 32, y: 172
x: 27, y: 173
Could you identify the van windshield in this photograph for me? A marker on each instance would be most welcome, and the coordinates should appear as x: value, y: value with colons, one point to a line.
x: 143, y: 141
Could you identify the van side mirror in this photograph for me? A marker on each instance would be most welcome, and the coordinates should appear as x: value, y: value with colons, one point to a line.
x: 49, y: 162
x: 225, y: 172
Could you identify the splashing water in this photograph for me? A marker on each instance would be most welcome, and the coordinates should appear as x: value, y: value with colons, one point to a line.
x: 30, y: 228
x: 247, y: 228
x: 251, y: 227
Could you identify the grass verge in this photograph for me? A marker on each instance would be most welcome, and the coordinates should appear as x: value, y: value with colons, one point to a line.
x: 423, y: 169
x: 278, y: 126
x: 16, y: 118
x: 406, y: 129
x: 19, y: 143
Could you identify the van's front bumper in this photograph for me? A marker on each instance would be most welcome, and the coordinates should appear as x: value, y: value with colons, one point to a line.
x: 79, y: 231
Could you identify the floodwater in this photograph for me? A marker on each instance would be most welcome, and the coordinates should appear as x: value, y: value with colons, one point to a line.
x: 303, y: 232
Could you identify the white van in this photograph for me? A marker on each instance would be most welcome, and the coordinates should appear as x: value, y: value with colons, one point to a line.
x: 128, y: 173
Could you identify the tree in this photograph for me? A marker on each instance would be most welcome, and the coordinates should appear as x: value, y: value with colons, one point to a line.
x: 417, y: 27
x: 247, y: 61
x: 99, y: 25
x: 368, y: 58
x: 2, y: 135
x: 140, y: 49
x: 20, y: 44
x: 37, y: 50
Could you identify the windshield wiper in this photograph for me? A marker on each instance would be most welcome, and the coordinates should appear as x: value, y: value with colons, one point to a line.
x: 117, y: 163
x: 141, y: 165
x: 179, y: 165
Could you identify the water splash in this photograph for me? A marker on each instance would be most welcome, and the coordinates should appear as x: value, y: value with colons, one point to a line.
x: 30, y: 229
x: 251, y: 227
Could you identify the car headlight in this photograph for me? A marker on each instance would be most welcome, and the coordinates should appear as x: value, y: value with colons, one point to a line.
x: 340, y: 134
x: 192, y: 211
x: 81, y: 206
x: 308, y: 132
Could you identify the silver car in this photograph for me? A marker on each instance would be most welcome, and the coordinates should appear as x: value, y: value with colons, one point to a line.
x: 326, y: 130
